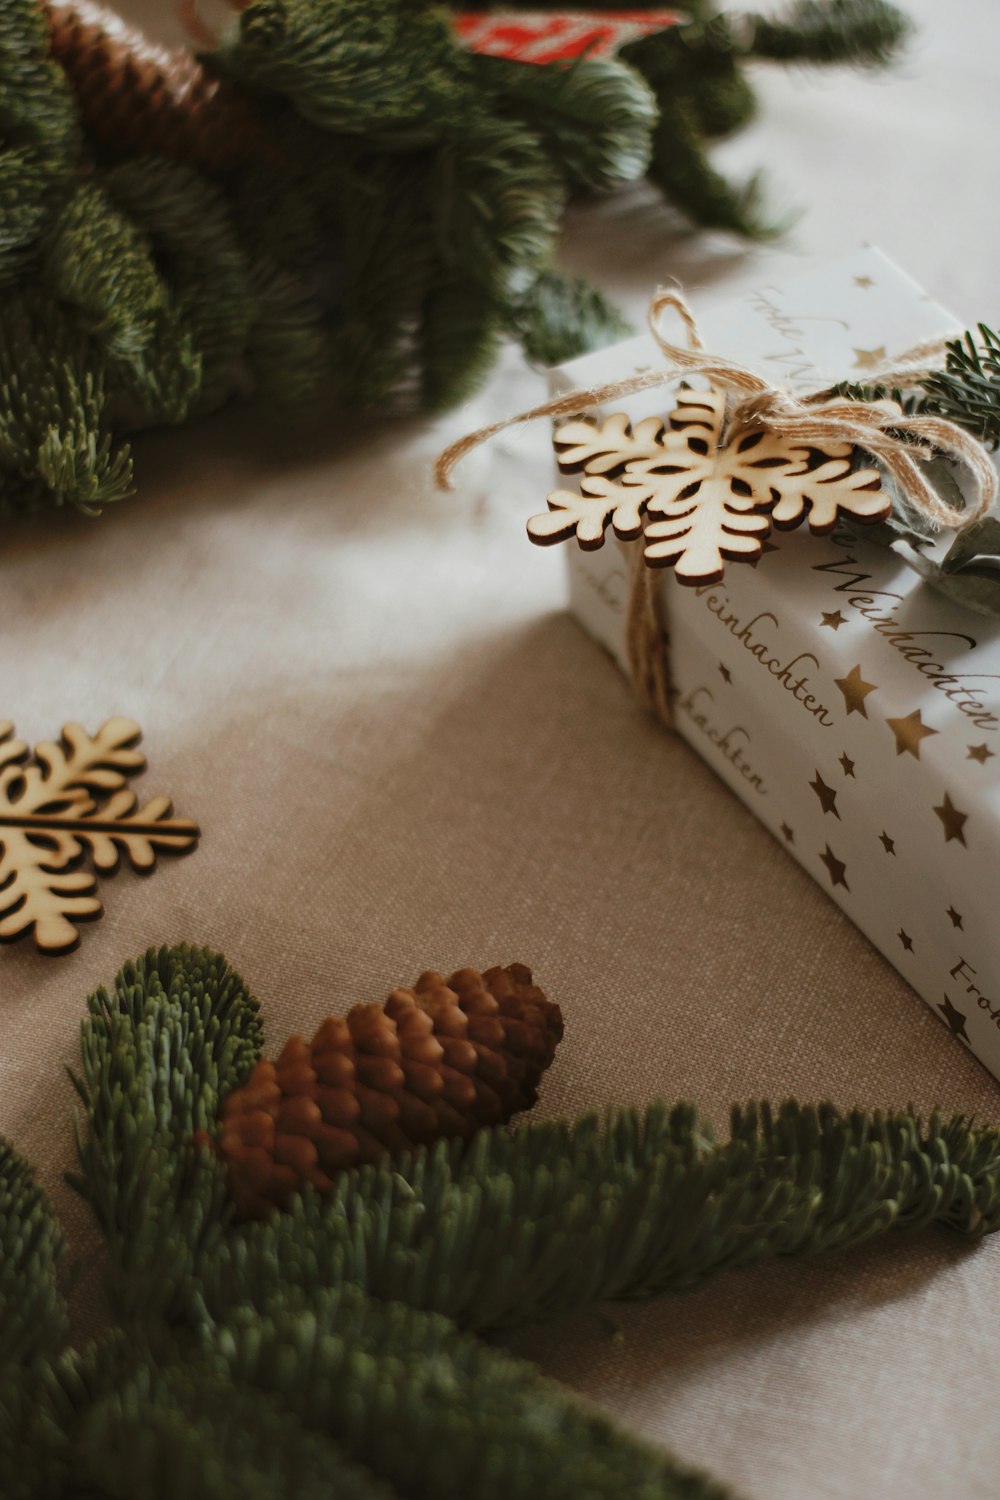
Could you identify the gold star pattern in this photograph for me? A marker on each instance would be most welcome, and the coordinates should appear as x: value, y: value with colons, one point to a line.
x: 909, y: 732
x: 981, y: 753
x: 956, y: 918
x: 725, y: 673
x: 954, y: 1019
x: 827, y: 796
x: 847, y: 765
x: 855, y: 690
x: 870, y: 359
x: 833, y: 620
x: 888, y: 844
x: 906, y: 940
x: 952, y: 821
x: 787, y: 834
x: 864, y: 282
x: 836, y: 868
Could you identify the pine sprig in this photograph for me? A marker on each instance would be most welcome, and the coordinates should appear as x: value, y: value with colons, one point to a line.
x: 177, y: 1032
x: 967, y: 391
x: 863, y: 33
x: 530, y: 1229
x: 465, y: 1419
x: 33, y: 1318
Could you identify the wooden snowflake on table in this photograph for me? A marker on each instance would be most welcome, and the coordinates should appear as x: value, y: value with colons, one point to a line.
x: 716, y: 494
x: 51, y: 818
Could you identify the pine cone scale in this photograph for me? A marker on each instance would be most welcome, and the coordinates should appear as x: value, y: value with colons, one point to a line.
x: 440, y: 1060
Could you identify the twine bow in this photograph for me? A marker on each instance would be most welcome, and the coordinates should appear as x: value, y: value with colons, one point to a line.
x: 900, y: 443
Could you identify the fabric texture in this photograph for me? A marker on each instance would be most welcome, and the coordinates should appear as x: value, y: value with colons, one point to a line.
x: 404, y: 754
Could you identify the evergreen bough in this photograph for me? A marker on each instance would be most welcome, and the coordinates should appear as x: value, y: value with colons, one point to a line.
x: 336, y: 1348
x: 368, y: 212
x: 966, y: 391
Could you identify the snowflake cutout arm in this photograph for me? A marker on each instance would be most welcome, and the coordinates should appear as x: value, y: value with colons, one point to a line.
x: 701, y: 532
x: 824, y: 494
x: 50, y: 820
x: 606, y: 447
x: 589, y: 513
x: 602, y: 451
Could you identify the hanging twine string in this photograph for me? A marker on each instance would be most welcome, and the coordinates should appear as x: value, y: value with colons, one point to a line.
x: 646, y: 636
x: 818, y: 419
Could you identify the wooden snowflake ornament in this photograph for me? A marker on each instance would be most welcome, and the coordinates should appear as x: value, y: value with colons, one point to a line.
x: 51, y: 819
x: 716, y: 494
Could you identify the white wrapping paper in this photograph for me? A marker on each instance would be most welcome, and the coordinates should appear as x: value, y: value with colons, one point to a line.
x: 849, y: 705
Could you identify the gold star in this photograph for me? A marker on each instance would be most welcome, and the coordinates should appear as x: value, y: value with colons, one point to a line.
x: 863, y: 281
x: 952, y: 821
x: 906, y: 940
x: 846, y: 764
x: 888, y: 844
x: 870, y: 359
x: 827, y: 796
x: 954, y: 1018
x: 833, y: 620
x: 725, y: 673
x: 909, y: 732
x: 980, y: 753
x: 855, y: 690
x: 787, y: 834
x: 956, y: 918
x: 835, y: 867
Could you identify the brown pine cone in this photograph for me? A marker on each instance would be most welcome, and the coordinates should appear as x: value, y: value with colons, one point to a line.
x: 135, y: 96
x: 439, y: 1060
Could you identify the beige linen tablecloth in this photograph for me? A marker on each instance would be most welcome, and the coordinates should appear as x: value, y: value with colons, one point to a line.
x: 404, y: 754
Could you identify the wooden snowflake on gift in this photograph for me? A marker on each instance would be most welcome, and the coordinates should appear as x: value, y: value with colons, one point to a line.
x: 715, y: 494
x: 51, y: 819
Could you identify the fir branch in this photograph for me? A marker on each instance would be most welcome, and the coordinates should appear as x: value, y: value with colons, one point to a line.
x: 33, y: 1317
x: 496, y: 202
x: 699, y: 91
x: 198, y: 250
x: 100, y: 264
x: 594, y: 119
x: 563, y: 317
x: 137, y: 1418
x: 681, y: 168
x: 464, y: 1419
x: 55, y: 446
x: 265, y: 1358
x: 288, y: 350
x: 862, y: 33
x: 24, y: 207
x: 967, y: 391
x: 178, y: 1031
x: 510, y: 1230
x: 699, y: 63
x: 390, y: 72
x: 36, y: 105
x: 526, y: 1229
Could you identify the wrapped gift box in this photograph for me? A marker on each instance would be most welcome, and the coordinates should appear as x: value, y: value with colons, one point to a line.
x: 852, y: 707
